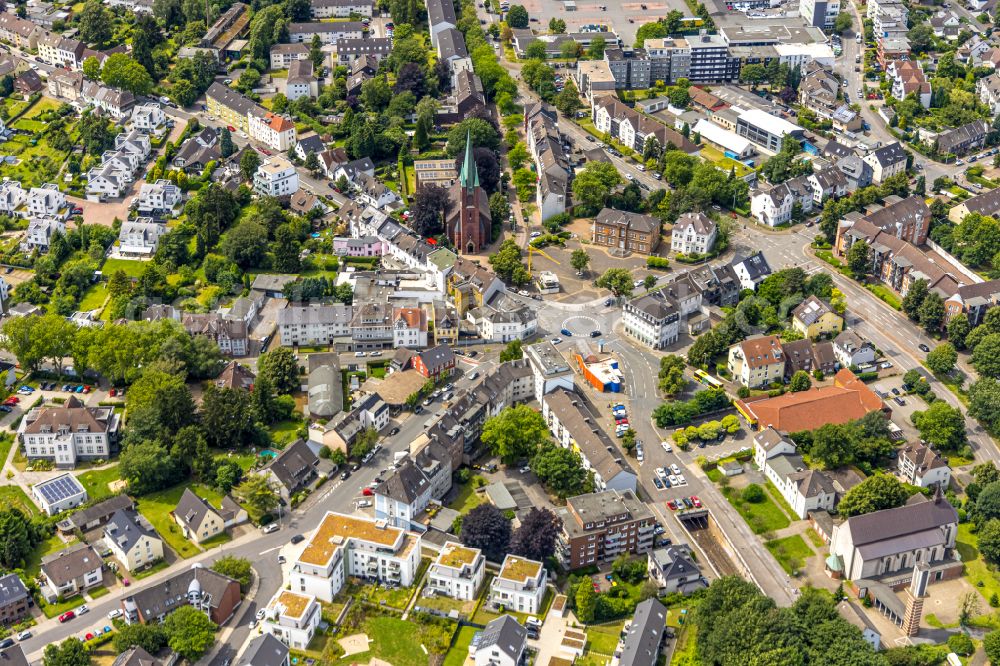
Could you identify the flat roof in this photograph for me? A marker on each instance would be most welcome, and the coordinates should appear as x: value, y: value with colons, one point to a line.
x: 519, y: 569
x: 769, y: 123
x: 720, y: 136
x: 337, y: 528
x: 545, y: 355
x: 455, y: 555
x: 295, y: 604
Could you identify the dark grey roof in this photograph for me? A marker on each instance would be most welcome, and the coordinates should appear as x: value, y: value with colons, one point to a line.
x: 889, y: 155
x: 13, y: 656
x: 437, y: 356
x: 311, y: 28
x: 675, y: 562
x: 265, y: 650
x: 441, y: 11
x: 232, y: 100
x: 294, y: 464
x: 12, y: 590
x: 638, y: 221
x: 125, y: 529
x: 987, y: 203
x: 451, y: 44
x: 135, y: 656
x: 311, y: 144
x: 504, y: 633
x: 966, y: 133
x: 168, y: 595
x: 101, y: 511
x: 901, y: 521
x: 642, y: 643
x: 405, y: 484
x: 69, y: 564
x: 191, y: 509
x: 756, y: 265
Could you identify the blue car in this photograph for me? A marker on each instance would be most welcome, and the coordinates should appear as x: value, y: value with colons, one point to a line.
x: 79, y: 389
x: 27, y: 388
x: 567, y: 333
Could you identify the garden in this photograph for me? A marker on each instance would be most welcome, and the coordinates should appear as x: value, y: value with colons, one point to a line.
x: 157, y: 508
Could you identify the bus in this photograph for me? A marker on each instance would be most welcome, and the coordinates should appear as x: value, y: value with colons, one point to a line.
x: 707, y: 379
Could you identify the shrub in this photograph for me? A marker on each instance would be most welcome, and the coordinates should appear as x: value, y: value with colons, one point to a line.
x: 961, y: 645
x: 753, y: 494
x: 657, y: 262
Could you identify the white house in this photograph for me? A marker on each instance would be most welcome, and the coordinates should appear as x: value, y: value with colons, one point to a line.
x: 70, y: 571
x: 502, y: 642
x: 520, y: 585
x: 314, y: 325
x: 274, y: 131
x: 403, y: 496
x: 301, y: 81
x: 752, y: 271
x: 12, y: 197
x: 158, y: 198
x: 68, y: 432
x: 292, y: 618
x: 409, y: 328
x: 39, y: 234
x: 804, y: 489
x: 344, y: 546
x: 276, y: 177
x: 851, y: 349
x: 148, y: 117
x: 133, y: 543
x: 59, y: 493
x: 457, y: 572
x: 374, y: 192
x: 46, y: 201
x: 140, y: 237
x: 107, y: 181
x: 775, y: 205
x: 693, y: 233
x: 886, y: 162
x: 921, y: 466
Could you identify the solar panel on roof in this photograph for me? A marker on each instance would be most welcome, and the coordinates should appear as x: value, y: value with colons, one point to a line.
x: 59, y: 488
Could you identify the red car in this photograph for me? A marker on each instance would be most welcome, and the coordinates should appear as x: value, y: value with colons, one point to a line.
x: 89, y: 636
x: 67, y: 616
x: 126, y: 582
x: 696, y: 501
x: 230, y: 128
x: 367, y: 492
x: 86, y: 388
x: 621, y: 421
x: 113, y: 392
x: 12, y: 400
x: 672, y: 505
x: 266, y: 151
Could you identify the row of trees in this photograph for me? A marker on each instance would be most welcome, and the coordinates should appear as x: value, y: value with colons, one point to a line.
x: 487, y: 528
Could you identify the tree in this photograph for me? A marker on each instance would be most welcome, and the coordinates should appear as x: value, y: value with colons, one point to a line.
x: 146, y: 36
x: 17, y: 537
x: 986, y: 356
x: 991, y: 646
x: 561, y: 470
x: 753, y: 493
x: 616, y: 280
x: 931, y: 313
x: 245, y: 244
x: 258, y: 494
x: 227, y: 416
x: 281, y: 369
x: 122, y: 71
x: 536, y: 538
x: 579, y: 260
x: 800, y: 382
x: 514, y: 433
x: 988, y: 538
x: 316, y: 55
x: 942, y: 358
x: 984, y: 403
x: 249, y: 161
x: 524, y: 182
x: 672, y: 380
x: 877, y: 492
x: 753, y: 74
x: 518, y: 156
x: 961, y: 644
x: 859, y: 259
x: 483, y: 133
x: 649, y: 282
x: 507, y: 264
x: 843, y: 23
x: 914, y: 298
x: 237, y: 568
x: 92, y: 68
x: 228, y: 474
x: 499, y: 207
x: 226, y: 146
x: 557, y: 26
x: 147, y: 466
x: 486, y: 528
x: 430, y: 205
x: 958, y: 328
x: 511, y: 352
x: 70, y: 652
x: 517, y: 17
x: 535, y: 50
x: 593, y: 185
x: 568, y: 100
x: 596, y: 48
x: 190, y: 633
x: 96, y: 23
x: 150, y: 637
x: 586, y: 600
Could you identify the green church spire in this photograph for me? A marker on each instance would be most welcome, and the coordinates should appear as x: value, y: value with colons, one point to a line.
x: 469, y: 178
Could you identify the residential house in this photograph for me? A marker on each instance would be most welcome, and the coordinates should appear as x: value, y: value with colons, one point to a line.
x: 292, y: 618
x: 807, y: 356
x: 852, y: 350
x: 283, y: 55
x: 158, y: 198
x: 625, y: 231
x: 197, y: 151
x: 276, y: 177
x: 857, y: 172
x: 293, y: 469
x: 598, y: 527
x: 22, y: 33
x: 987, y: 204
x: 265, y: 650
x: 12, y: 197
x: 503, y: 641
x: 674, y: 569
x: 776, y: 205
x: 69, y: 432
x: 751, y: 271
x: 212, y: 593
x: 343, y: 546
x: 757, y: 362
x: 374, y: 192
x: 973, y: 300
x: 140, y: 237
x: 921, y: 466
x: 314, y: 325
x: 14, y: 599
x: 276, y: 132
x: 39, y: 234
x: 230, y: 335
x: 301, y: 81
x: 341, y: 8
x: 886, y: 161
x: 70, y: 571
x: 826, y: 184
x: 519, y: 587
x: 907, y: 77
x: 47, y: 202
x: 989, y: 92
x: 136, y: 656
x: 65, y: 84
x: 116, y: 103
x: 653, y: 318
x: 200, y: 521
x: 96, y: 515
x: 133, y: 542
x: 457, y: 572
x: 814, y: 318
x: 328, y: 32
x: 59, y: 51
x: 440, y: 17
x: 961, y: 140
x: 435, y: 363
x: 28, y: 82
x: 312, y: 143
x: 148, y: 118
x: 403, y: 496
x: 693, y: 233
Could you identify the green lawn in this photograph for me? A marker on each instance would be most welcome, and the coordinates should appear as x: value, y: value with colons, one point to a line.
x: 604, y: 639
x: 815, y: 538
x: 14, y: 496
x: 467, y: 498
x: 393, y: 640
x: 284, y: 433
x: 56, y: 609
x: 41, y: 106
x: 98, y: 592
x: 51, y: 545
x: 977, y: 572
x: 244, y: 459
x: 6, y: 441
x: 761, y: 517
x: 157, y: 507
x: 460, y: 650
x: 131, y: 268
x: 29, y: 125
x: 94, y: 298
x: 886, y: 294
x: 96, y: 482
x: 791, y: 552
x: 159, y: 565
x: 780, y: 501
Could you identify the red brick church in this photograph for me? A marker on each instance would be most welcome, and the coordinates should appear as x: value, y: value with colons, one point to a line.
x: 468, y: 222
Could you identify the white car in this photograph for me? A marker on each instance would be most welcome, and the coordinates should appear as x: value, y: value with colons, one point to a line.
x: 681, y: 481
x: 82, y: 610
x: 536, y: 234
x: 666, y: 446
x: 672, y: 479
x: 260, y: 614
x: 675, y: 469
x: 628, y: 176
x: 115, y: 613
x: 270, y: 527
x: 639, y: 455
x: 364, y: 504
x: 662, y: 473
x: 25, y: 635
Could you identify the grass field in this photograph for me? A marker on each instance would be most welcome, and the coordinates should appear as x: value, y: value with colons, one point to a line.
x: 762, y: 517
x: 94, y: 298
x: 791, y: 552
x: 96, y: 482
x: 977, y: 572
x: 284, y: 433
x: 6, y: 442
x: 467, y: 498
x: 17, y: 498
x: 41, y: 106
x: 53, y: 610
x: 772, y: 491
x: 157, y: 507
x: 393, y: 640
x: 460, y: 650
x: 51, y: 545
x: 131, y: 268
x: 604, y: 639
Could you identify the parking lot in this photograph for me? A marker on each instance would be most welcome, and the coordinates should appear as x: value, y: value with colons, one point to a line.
x: 623, y: 18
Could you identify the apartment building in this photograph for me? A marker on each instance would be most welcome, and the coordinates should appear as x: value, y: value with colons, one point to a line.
x: 814, y: 318
x: 457, y: 572
x: 886, y: 161
x: 317, y: 325
x: 344, y: 546
x: 292, y: 618
x: 328, y: 32
x: 757, y: 362
x: 775, y: 205
x: 652, y: 318
x: 69, y: 432
x: 598, y: 527
x: 276, y: 177
x: 625, y: 231
x: 519, y: 587
x: 693, y: 233
x: 921, y: 466
x: 322, y: 9
x: 819, y: 13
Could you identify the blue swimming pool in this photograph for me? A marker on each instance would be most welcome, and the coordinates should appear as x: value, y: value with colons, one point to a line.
x: 268, y: 453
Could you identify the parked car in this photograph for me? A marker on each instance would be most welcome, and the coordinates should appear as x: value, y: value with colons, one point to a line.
x: 82, y: 610
x: 658, y: 483
x: 567, y: 332
x: 298, y: 538
x: 924, y: 348
x: 346, y: 474
x: 281, y: 559
x: 595, y: 334
x: 394, y: 431
x: 367, y: 492
x: 6, y: 643
x: 24, y: 635
x: 270, y: 527
x: 696, y: 501
x: 67, y: 616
